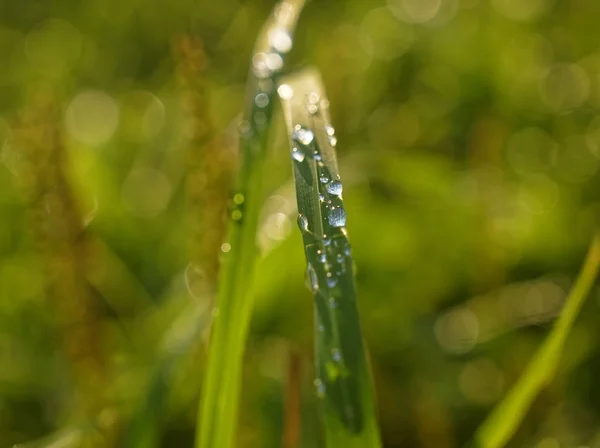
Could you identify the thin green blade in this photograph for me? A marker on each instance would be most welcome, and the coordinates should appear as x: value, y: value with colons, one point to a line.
x: 499, y: 427
x: 218, y: 409
x: 343, y: 379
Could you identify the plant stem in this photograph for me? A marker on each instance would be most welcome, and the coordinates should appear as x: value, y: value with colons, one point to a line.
x: 500, y: 426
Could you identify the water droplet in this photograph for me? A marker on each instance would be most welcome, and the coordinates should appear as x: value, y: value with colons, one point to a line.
x: 285, y: 91
x: 337, y: 217
x: 225, y: 247
x: 312, y: 281
x: 335, y: 188
x: 326, y: 240
x: 332, y: 141
x: 317, y: 156
x: 321, y: 197
x: 302, y: 135
x: 238, y: 198
x: 312, y: 103
x: 259, y: 65
x: 274, y: 62
x: 331, y: 280
x: 324, y: 179
x: 261, y: 100
x: 302, y: 223
x: 336, y: 355
x: 339, y: 258
x: 348, y: 250
x: 329, y: 130
x: 236, y: 215
x: 320, y: 387
x: 322, y: 256
x: 312, y: 109
x: 298, y: 155
x: 280, y: 40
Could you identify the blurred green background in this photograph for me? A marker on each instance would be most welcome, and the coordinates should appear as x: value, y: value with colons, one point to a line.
x: 469, y: 145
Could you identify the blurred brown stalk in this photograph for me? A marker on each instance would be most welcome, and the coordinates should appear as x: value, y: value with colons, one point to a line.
x: 210, y: 164
x: 59, y: 236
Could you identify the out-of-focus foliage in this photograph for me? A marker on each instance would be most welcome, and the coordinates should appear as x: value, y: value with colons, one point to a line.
x: 469, y: 140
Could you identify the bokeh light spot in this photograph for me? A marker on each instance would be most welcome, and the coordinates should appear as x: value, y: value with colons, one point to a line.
x: 92, y: 117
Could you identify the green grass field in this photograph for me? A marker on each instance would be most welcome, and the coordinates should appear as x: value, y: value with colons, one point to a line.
x: 299, y: 224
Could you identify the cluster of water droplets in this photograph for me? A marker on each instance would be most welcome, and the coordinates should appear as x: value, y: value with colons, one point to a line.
x: 268, y: 63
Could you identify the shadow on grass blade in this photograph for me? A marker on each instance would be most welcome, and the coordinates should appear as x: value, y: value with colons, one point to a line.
x: 343, y: 379
x: 218, y: 409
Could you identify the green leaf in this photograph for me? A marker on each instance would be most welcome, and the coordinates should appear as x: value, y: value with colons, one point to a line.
x: 343, y: 380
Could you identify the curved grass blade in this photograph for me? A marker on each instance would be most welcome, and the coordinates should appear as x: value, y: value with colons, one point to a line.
x: 499, y: 427
x: 218, y: 409
x: 343, y: 379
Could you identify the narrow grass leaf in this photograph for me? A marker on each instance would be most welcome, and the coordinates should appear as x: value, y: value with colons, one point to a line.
x: 218, y: 409
x: 499, y: 427
x: 343, y: 381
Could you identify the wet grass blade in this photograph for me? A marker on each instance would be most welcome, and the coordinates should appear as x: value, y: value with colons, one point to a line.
x: 343, y: 381
x: 218, y: 408
x: 499, y: 427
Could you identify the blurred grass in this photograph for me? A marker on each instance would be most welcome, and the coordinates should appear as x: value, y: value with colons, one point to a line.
x: 502, y: 423
x: 218, y: 414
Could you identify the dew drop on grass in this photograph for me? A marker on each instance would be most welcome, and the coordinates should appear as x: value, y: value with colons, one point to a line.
x: 261, y: 100
x: 322, y: 256
x: 331, y: 280
x: 336, y: 355
x: 238, y: 198
x: 340, y: 258
x: 302, y: 223
x: 302, y: 135
x: 236, y: 215
x: 317, y: 156
x: 335, y: 188
x: 321, y: 197
x: 285, y: 91
x: 326, y: 240
x: 329, y: 130
x: 324, y: 179
x: 280, y: 40
x: 312, y: 103
x: 274, y: 62
x: 337, y: 217
x: 348, y: 250
x: 332, y: 140
x: 312, y: 282
x: 298, y: 155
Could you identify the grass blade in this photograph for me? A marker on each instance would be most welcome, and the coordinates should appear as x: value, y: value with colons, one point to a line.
x: 342, y: 374
x: 218, y: 409
x: 499, y: 427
